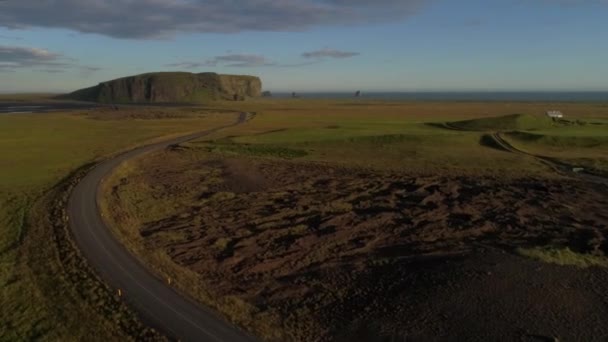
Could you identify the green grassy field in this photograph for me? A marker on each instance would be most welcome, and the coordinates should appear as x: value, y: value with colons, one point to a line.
x: 512, y: 122
x: 40, y: 150
x: 410, y: 136
x: 407, y: 139
x: 563, y: 256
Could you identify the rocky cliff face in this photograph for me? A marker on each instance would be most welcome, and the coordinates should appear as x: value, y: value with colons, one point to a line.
x: 171, y: 87
x: 244, y: 86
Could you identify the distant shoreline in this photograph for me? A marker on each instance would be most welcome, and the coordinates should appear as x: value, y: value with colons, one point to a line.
x: 536, y: 96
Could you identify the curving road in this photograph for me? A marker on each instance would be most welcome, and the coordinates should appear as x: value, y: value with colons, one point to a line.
x: 159, y: 305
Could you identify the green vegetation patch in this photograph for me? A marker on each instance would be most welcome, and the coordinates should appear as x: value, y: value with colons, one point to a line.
x: 201, y: 95
x: 563, y: 256
x: 222, y: 243
x: 513, y: 122
x: 561, y: 141
x: 46, y: 291
x: 257, y: 150
x: 348, y: 130
x: 387, y: 139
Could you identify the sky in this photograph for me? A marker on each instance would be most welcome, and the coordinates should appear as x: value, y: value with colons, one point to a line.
x: 310, y: 45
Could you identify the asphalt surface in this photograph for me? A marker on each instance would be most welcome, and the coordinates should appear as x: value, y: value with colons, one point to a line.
x: 158, y: 304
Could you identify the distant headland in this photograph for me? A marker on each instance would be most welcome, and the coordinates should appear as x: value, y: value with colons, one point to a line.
x: 171, y: 87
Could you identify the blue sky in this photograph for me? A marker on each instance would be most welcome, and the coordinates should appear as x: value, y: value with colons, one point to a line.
x: 310, y: 45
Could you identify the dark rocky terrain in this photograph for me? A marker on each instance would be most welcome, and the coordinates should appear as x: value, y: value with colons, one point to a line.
x: 346, y: 254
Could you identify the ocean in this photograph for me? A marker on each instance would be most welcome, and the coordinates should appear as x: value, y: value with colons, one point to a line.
x: 596, y: 97
x: 460, y: 96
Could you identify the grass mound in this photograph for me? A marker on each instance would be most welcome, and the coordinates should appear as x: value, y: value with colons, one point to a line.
x: 257, y: 150
x: 386, y: 139
x: 561, y: 141
x: 563, y: 256
x: 488, y: 141
x: 513, y: 122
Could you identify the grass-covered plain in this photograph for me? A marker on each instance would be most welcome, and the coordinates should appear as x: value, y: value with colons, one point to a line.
x: 37, y: 152
x: 274, y: 222
x: 412, y: 135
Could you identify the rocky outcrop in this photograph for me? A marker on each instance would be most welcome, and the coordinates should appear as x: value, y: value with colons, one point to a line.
x: 171, y: 87
x: 244, y: 86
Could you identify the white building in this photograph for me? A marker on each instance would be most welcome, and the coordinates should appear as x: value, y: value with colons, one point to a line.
x: 555, y: 114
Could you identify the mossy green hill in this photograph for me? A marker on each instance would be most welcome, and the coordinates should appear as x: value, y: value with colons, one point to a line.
x: 171, y: 87
x: 513, y: 122
x: 561, y: 141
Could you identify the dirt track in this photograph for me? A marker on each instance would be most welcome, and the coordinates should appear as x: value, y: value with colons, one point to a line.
x: 558, y: 166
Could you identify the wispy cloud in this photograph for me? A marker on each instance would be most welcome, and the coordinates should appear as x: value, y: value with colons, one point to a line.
x: 232, y: 60
x: 145, y: 19
x: 53, y: 71
x: 240, y: 60
x: 574, y: 2
x: 186, y: 65
x: 255, y: 60
x: 329, y: 53
x: 10, y: 37
x: 18, y: 57
x: 90, y: 68
x: 23, y: 57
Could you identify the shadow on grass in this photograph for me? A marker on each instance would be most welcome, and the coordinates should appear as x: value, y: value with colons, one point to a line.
x: 487, y: 140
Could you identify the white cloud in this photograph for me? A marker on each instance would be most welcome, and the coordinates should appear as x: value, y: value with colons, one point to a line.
x: 164, y: 18
x: 329, y: 53
x: 18, y: 57
x: 232, y: 60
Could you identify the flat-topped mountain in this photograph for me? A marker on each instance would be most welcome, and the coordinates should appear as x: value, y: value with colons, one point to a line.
x: 171, y: 87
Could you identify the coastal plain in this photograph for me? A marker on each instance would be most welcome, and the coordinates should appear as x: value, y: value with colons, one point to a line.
x: 319, y: 219
x: 370, y: 220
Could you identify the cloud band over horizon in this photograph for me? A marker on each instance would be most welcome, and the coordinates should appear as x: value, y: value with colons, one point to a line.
x: 254, y: 60
x: 153, y: 19
x: 17, y: 57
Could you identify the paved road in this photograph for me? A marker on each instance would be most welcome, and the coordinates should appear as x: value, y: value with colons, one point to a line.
x: 159, y: 305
